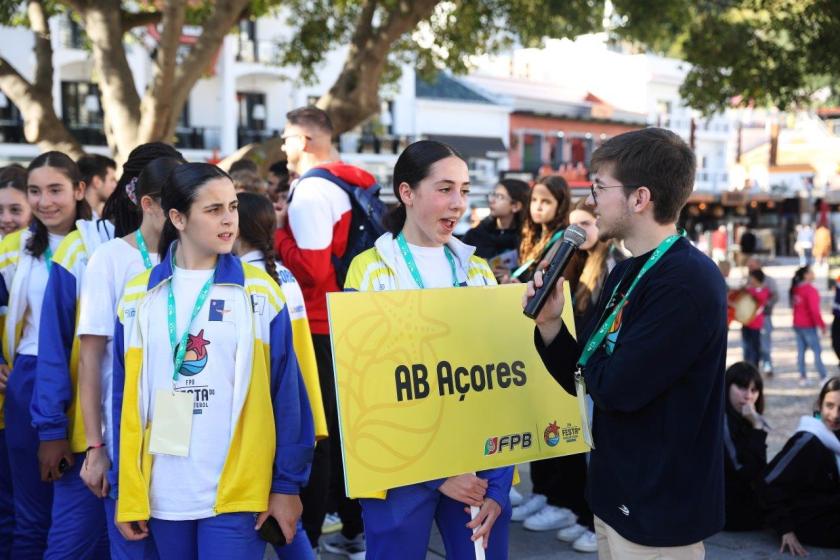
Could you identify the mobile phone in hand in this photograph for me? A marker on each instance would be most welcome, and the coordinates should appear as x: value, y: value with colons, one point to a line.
x: 271, y: 533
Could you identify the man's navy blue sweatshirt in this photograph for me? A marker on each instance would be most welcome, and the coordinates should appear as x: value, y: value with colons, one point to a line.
x: 656, y: 473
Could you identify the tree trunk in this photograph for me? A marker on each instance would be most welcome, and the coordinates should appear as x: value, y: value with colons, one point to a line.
x: 355, y: 95
x: 120, y: 101
x: 34, y: 100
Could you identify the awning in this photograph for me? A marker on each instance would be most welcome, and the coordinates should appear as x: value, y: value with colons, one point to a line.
x: 473, y: 146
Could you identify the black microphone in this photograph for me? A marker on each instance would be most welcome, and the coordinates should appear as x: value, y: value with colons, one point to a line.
x: 573, y: 238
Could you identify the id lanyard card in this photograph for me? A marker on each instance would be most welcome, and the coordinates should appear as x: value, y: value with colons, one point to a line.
x: 172, y: 428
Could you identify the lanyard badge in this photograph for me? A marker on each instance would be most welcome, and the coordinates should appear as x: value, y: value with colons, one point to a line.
x: 173, y: 410
x: 600, y: 334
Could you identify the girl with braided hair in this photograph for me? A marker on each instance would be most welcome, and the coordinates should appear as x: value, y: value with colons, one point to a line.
x: 255, y: 245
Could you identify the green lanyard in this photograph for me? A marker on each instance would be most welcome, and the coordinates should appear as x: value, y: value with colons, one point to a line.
x: 598, y: 336
x: 527, y: 264
x: 48, y: 255
x: 412, y: 266
x: 170, y: 309
x: 144, y: 251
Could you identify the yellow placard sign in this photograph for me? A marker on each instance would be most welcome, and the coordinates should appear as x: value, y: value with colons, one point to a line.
x: 439, y: 382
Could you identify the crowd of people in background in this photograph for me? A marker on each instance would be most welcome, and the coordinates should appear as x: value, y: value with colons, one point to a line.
x: 91, y: 258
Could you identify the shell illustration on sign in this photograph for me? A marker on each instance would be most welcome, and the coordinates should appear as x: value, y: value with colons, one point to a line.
x: 375, y: 341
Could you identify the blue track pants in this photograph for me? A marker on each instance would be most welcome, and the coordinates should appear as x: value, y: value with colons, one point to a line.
x: 32, y: 498
x: 7, y: 504
x: 225, y: 536
x: 400, y: 526
x: 78, y: 519
x: 122, y: 549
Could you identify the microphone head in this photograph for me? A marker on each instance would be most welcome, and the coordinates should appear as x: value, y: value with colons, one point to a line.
x: 575, y: 235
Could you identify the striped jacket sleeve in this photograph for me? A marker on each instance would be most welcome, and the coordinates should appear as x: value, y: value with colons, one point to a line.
x: 53, y: 390
x: 294, y: 428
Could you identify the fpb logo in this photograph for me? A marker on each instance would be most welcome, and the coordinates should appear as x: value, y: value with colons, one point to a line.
x: 491, y: 446
x: 498, y: 444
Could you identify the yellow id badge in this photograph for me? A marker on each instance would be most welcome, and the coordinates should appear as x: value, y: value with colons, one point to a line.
x: 172, y: 425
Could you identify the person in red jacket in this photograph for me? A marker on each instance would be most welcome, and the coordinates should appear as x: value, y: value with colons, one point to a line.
x: 805, y: 300
x: 312, y: 231
x: 751, y: 332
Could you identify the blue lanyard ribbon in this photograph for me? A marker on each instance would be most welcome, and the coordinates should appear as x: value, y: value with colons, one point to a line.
x: 171, y: 316
x: 412, y: 266
x: 144, y: 251
x: 48, y: 256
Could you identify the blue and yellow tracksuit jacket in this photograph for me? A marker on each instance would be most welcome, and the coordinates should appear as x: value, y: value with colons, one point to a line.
x: 13, y: 287
x: 56, y: 408
x: 269, y: 396
x: 376, y: 270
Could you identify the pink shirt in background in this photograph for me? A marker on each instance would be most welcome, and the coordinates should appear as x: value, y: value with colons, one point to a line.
x: 806, y: 307
x: 761, y: 296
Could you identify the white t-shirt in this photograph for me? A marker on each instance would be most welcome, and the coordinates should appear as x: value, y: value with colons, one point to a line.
x: 109, y: 269
x: 184, y: 488
x: 431, y: 262
x: 38, y: 276
x: 288, y: 284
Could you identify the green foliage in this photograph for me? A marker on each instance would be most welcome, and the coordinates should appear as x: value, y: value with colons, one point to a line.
x: 764, y: 52
x: 454, y: 32
x: 13, y: 12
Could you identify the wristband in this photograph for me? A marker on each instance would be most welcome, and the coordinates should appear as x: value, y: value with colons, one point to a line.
x: 96, y: 446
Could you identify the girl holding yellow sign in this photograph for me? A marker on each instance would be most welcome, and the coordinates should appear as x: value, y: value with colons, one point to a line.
x: 431, y: 181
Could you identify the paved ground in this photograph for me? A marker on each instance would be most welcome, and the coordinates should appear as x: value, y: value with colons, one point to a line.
x: 785, y: 403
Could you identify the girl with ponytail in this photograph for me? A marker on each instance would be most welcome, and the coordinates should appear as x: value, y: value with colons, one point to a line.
x: 431, y: 181
x: 55, y: 192
x: 112, y: 265
x: 122, y: 208
x: 217, y: 396
x: 255, y: 246
x: 78, y: 515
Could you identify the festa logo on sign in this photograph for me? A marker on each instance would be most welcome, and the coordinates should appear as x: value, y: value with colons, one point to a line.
x: 551, y: 435
x: 570, y: 433
x: 497, y: 444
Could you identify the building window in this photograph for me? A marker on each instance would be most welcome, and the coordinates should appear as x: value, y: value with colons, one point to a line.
x: 247, y: 51
x: 81, y: 104
x: 557, y: 158
x: 532, y: 151
x: 252, y: 111
x: 81, y: 111
x: 11, y: 122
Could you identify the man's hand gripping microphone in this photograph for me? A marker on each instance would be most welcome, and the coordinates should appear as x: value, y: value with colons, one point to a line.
x: 573, y: 238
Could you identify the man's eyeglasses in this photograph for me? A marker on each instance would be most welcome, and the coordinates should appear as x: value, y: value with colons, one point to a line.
x: 286, y: 137
x: 595, y: 187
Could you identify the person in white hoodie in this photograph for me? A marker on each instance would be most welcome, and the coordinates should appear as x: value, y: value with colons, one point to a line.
x: 801, y: 486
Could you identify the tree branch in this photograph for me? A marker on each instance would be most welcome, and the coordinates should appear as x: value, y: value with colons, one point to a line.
x: 225, y: 14
x: 404, y: 17
x: 355, y: 94
x: 43, y: 46
x: 130, y: 20
x: 157, y: 106
x: 42, y: 126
